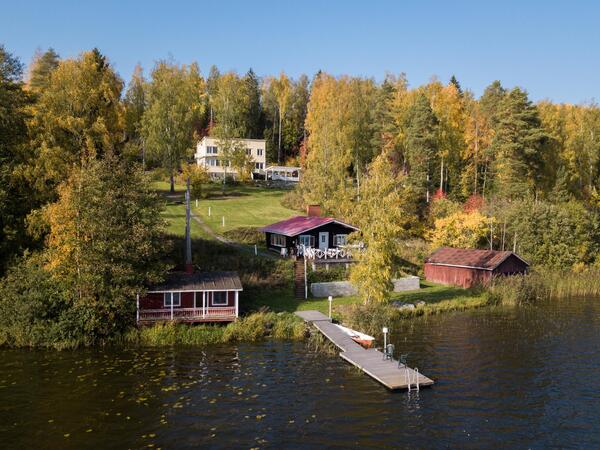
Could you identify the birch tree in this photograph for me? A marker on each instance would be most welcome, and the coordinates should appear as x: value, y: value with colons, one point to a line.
x: 174, y: 104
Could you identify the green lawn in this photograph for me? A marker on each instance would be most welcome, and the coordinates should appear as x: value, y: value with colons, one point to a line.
x: 175, y: 212
x: 430, y: 293
x: 243, y: 206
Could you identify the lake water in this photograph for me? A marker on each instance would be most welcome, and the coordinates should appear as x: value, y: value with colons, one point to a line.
x: 522, y: 377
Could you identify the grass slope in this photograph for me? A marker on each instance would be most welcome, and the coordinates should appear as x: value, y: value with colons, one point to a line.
x: 175, y: 212
x: 243, y: 206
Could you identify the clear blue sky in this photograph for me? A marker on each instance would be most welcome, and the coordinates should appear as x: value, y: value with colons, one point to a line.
x: 551, y: 48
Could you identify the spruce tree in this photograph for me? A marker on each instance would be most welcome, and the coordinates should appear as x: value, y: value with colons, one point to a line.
x: 15, y: 192
x: 41, y: 68
x: 253, y: 110
x: 456, y: 84
x: 421, y: 146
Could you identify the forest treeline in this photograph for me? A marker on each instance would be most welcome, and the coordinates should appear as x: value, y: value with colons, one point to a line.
x: 80, y: 227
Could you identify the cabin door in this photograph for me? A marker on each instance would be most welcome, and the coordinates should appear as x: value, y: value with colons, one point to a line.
x: 323, y: 240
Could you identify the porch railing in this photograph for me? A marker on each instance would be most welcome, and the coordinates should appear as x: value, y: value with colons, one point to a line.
x: 343, y: 252
x: 224, y: 312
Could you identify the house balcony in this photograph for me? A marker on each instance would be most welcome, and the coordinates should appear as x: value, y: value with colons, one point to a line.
x: 191, y: 315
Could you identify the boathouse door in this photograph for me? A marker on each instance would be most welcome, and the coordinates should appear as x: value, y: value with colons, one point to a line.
x: 323, y: 240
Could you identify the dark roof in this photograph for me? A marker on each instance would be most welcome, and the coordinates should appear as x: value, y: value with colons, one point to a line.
x: 472, y: 258
x: 300, y: 224
x: 200, y: 281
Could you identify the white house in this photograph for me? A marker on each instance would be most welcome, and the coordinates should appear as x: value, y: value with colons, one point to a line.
x: 209, y: 155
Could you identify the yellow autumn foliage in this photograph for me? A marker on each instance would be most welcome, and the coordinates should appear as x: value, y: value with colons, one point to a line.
x: 461, y: 229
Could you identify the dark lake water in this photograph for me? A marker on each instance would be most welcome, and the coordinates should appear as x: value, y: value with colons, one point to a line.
x: 519, y: 377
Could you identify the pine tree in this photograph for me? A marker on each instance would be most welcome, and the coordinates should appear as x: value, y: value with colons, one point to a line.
x: 518, y: 146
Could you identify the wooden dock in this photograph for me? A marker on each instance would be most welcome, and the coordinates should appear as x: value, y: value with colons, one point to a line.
x: 371, y: 361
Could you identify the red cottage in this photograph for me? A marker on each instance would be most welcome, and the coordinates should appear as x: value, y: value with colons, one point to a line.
x: 469, y: 267
x: 290, y: 236
x: 195, y: 297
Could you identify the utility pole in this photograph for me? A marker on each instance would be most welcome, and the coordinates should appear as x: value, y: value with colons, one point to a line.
x: 188, y: 238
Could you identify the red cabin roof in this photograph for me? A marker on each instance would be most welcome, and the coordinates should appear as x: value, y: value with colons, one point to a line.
x: 199, y: 281
x: 301, y: 224
x: 472, y: 258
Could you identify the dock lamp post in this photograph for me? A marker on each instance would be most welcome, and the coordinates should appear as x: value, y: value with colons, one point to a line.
x: 385, y: 332
x: 330, y: 299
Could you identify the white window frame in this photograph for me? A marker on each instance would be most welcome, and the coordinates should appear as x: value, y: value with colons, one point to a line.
x: 211, y: 150
x: 258, y: 166
x: 249, y: 151
x: 170, y: 296
x: 259, y: 152
x: 220, y: 303
x: 277, y: 239
x: 306, y: 237
x: 336, y: 240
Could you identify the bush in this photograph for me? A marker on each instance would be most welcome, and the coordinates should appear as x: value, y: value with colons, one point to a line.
x: 293, y: 200
x: 245, y: 235
x: 255, y: 327
x: 335, y: 273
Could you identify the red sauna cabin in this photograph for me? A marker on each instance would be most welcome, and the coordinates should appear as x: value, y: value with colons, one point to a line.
x: 470, y: 267
x: 192, y: 297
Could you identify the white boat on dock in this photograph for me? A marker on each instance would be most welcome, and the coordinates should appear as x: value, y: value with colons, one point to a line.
x: 360, y: 338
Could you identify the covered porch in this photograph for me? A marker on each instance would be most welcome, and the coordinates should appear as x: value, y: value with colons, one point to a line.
x: 206, y: 314
x: 196, y: 297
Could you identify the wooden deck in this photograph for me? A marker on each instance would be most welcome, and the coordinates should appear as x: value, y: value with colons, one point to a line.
x: 388, y: 372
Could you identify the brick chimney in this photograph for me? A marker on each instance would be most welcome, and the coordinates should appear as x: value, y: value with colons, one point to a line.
x: 313, y: 210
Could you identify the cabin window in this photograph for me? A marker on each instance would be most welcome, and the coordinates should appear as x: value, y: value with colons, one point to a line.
x: 278, y: 240
x: 220, y: 298
x: 174, y: 297
x: 307, y: 240
x: 340, y: 239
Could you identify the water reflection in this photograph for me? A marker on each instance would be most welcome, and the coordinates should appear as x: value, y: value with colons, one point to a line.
x: 504, y: 377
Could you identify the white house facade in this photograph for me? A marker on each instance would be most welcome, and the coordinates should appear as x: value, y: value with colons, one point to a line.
x: 208, y: 154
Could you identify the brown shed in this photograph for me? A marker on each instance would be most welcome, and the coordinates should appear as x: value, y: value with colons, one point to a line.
x: 468, y: 267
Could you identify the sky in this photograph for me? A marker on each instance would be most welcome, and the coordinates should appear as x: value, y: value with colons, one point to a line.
x: 550, y: 48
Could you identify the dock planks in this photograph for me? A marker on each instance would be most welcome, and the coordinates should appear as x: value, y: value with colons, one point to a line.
x: 370, y: 361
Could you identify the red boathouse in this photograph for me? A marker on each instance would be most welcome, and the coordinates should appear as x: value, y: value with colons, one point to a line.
x: 469, y: 267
